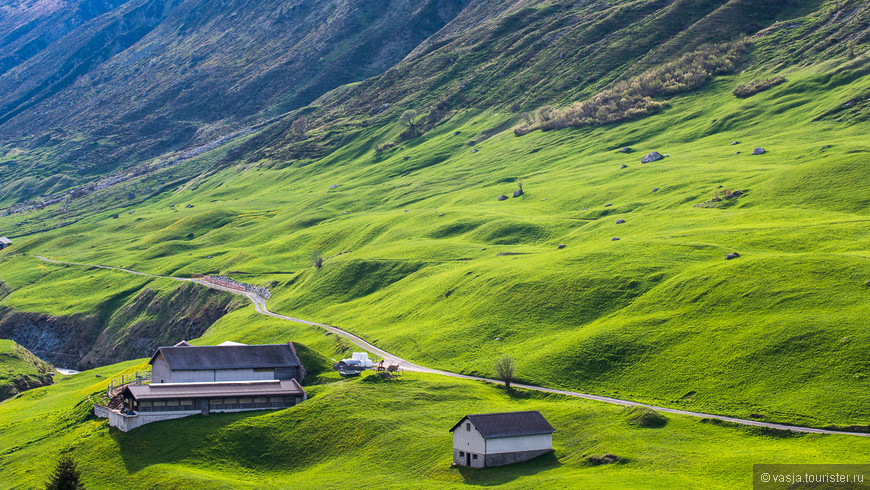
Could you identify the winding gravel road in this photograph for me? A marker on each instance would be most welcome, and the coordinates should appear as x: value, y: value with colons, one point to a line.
x: 260, y: 307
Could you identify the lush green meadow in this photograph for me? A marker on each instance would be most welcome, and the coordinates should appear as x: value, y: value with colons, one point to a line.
x: 391, y: 434
x: 655, y: 316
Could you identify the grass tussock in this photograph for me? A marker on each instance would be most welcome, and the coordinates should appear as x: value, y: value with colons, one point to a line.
x: 749, y: 89
x: 637, y: 97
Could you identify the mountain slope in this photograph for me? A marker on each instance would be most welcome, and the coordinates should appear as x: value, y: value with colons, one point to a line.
x: 153, y: 76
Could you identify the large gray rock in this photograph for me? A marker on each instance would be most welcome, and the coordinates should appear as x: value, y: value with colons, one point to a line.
x: 502, y: 197
x: 759, y: 151
x: 651, y: 157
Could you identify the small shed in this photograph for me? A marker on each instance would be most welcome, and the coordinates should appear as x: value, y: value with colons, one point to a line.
x: 4, y: 242
x: 496, y: 439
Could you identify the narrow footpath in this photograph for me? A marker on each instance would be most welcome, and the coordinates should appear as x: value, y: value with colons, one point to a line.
x: 260, y: 307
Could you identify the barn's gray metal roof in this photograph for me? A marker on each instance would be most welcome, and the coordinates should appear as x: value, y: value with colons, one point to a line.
x: 162, y: 391
x: 192, y: 358
x: 509, y: 424
x: 5, y: 240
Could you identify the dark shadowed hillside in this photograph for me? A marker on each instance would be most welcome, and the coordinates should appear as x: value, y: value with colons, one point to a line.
x: 151, y: 76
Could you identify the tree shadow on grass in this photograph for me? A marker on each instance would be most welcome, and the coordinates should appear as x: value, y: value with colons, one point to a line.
x: 172, y: 441
x: 501, y: 475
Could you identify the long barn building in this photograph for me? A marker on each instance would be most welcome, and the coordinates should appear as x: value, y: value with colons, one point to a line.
x: 230, y: 377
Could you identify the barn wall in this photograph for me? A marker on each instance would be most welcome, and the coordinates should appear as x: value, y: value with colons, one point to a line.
x: 242, y: 375
x: 160, y: 372
x: 521, y: 443
x: 199, y: 376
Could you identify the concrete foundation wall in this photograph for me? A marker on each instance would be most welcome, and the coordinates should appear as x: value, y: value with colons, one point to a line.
x: 500, y: 459
x: 460, y: 459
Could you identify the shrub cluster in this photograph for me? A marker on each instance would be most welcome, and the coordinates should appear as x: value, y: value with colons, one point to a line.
x: 744, y: 90
x: 635, y: 97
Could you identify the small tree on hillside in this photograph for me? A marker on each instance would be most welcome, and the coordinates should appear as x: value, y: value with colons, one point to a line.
x: 409, y: 120
x: 317, y: 259
x: 66, y: 476
x: 505, y: 370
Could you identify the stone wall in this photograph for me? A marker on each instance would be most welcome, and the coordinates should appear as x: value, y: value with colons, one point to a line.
x: 500, y: 459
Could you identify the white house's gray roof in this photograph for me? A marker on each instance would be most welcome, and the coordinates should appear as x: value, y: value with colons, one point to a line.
x: 162, y: 391
x: 509, y: 424
x: 192, y: 358
x: 5, y: 241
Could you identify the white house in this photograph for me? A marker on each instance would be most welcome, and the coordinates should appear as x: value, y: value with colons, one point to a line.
x: 495, y: 439
x: 4, y: 242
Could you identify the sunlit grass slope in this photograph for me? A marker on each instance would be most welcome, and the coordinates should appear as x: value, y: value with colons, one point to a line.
x: 440, y: 272
x: 390, y: 434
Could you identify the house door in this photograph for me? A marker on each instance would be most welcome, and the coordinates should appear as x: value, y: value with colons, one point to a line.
x: 203, y: 406
x: 467, y: 459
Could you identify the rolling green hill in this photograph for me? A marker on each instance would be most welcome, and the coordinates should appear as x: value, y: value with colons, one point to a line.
x: 607, y: 275
x: 20, y: 370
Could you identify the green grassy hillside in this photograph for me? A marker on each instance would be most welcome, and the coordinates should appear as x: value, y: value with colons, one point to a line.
x: 20, y: 370
x: 657, y: 316
x: 391, y: 434
x: 606, y: 276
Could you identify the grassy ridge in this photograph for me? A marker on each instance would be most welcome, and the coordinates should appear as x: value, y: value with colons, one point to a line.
x: 20, y: 370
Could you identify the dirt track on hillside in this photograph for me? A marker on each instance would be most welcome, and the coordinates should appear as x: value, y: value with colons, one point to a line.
x: 260, y: 307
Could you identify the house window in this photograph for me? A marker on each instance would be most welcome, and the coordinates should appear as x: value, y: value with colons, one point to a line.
x: 171, y: 403
x: 474, y: 457
x: 468, y: 427
x: 264, y: 370
x: 461, y: 454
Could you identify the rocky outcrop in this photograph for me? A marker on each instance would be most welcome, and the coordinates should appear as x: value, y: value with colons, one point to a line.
x: 147, y: 321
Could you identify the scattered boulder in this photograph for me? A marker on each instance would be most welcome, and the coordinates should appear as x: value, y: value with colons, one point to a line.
x: 585, y: 209
x: 406, y: 174
x: 732, y: 255
x: 655, y: 189
x: 189, y: 206
x: 518, y: 193
x: 735, y: 142
x: 620, y: 221
x: 614, y: 239
x: 759, y: 151
x: 474, y: 150
x: 442, y: 214
x: 346, y: 212
x: 131, y: 212
x: 407, y: 158
x: 502, y: 197
x: 720, y: 186
x: 407, y: 210
x: 624, y: 149
x: 210, y: 257
x: 608, y: 205
x: 606, y: 459
x: 623, y: 166
x: 333, y: 186
x: 562, y: 245
x: 114, y: 216
x: 736, y: 153
x: 457, y: 133
x: 651, y: 157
